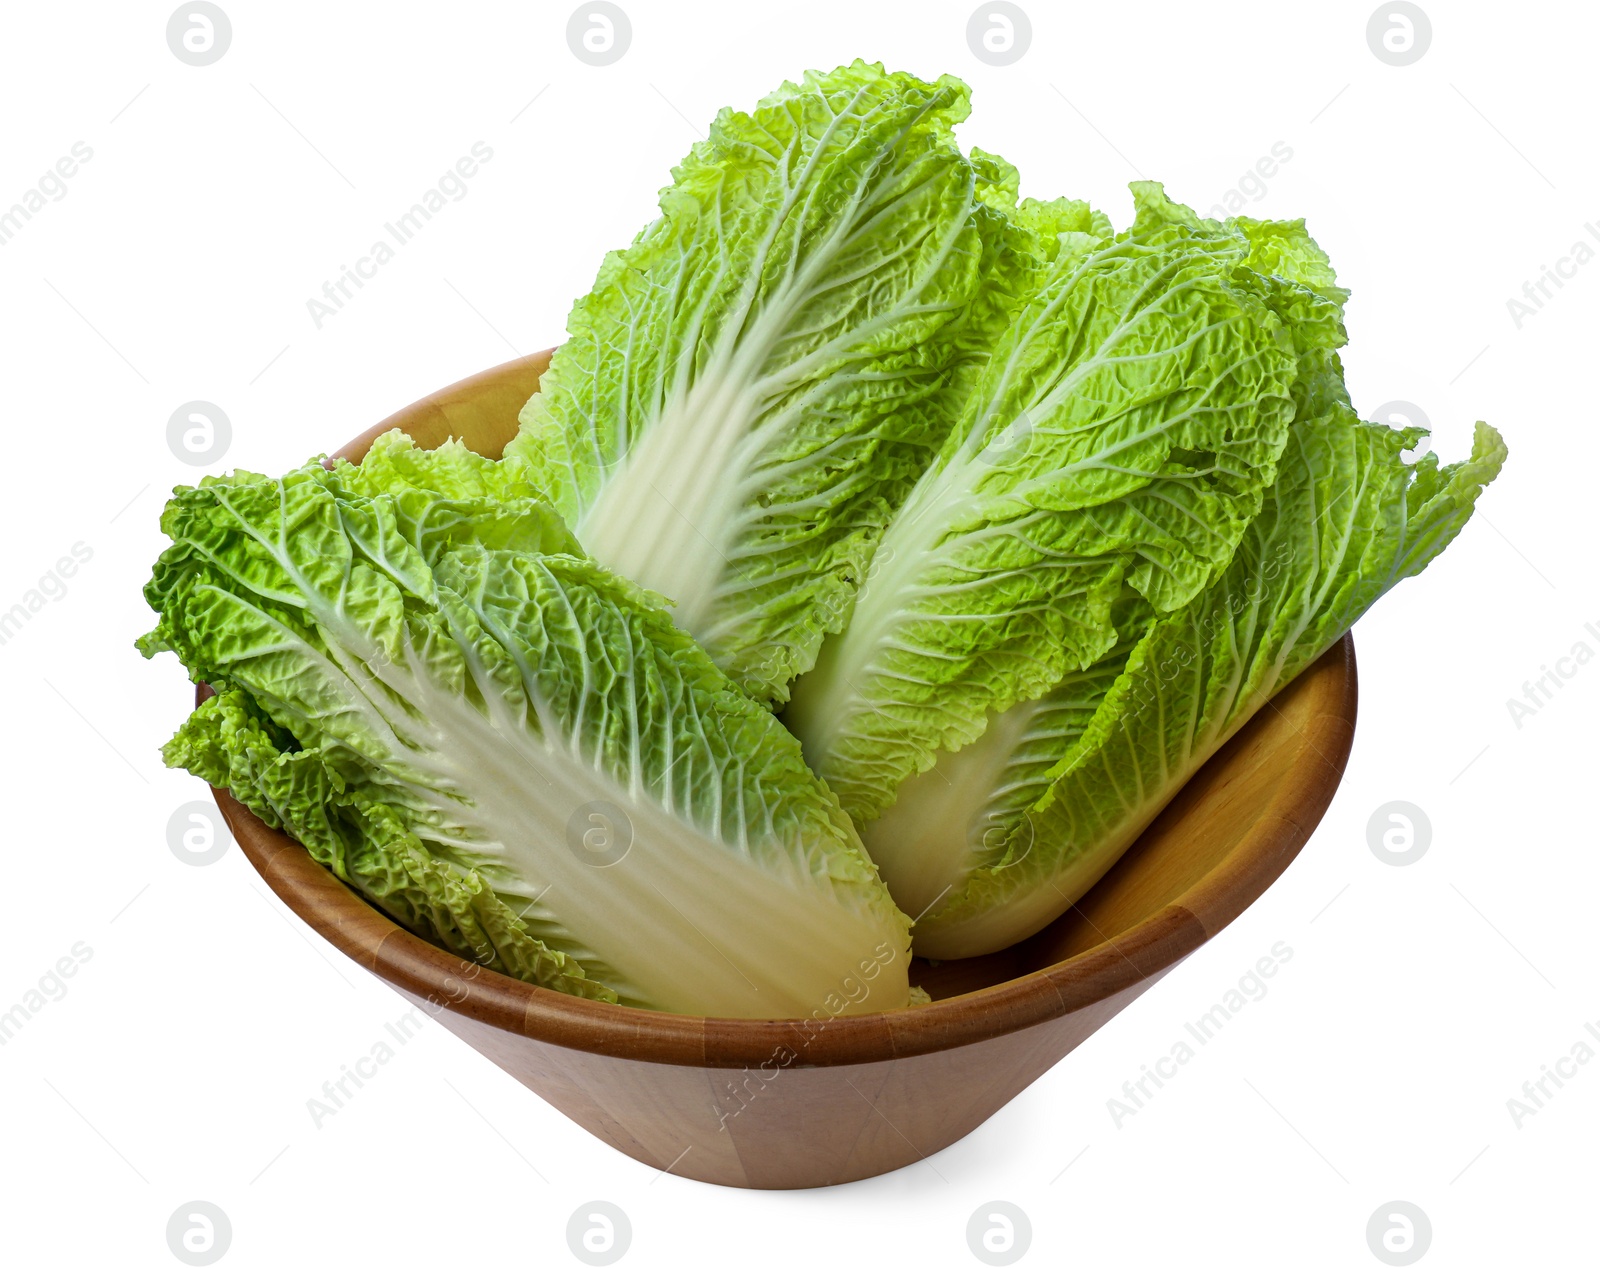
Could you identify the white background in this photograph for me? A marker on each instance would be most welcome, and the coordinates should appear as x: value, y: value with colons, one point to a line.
x: 177, y: 267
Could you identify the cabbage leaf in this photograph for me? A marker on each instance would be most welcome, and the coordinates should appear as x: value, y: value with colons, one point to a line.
x: 1120, y: 439
x: 751, y: 387
x: 1347, y: 519
x: 508, y: 748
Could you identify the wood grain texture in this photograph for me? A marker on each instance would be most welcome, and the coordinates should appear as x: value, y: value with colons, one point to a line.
x: 794, y: 1104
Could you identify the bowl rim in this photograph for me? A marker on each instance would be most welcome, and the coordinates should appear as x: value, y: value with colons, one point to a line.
x: 442, y: 981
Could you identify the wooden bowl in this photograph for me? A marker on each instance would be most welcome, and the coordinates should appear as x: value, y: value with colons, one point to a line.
x: 769, y: 1104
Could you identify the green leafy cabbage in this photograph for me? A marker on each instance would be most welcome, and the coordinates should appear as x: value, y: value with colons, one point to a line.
x: 991, y: 812
x: 509, y: 748
x: 752, y: 385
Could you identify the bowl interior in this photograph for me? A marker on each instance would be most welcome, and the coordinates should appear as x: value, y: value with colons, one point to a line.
x: 1227, y: 835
